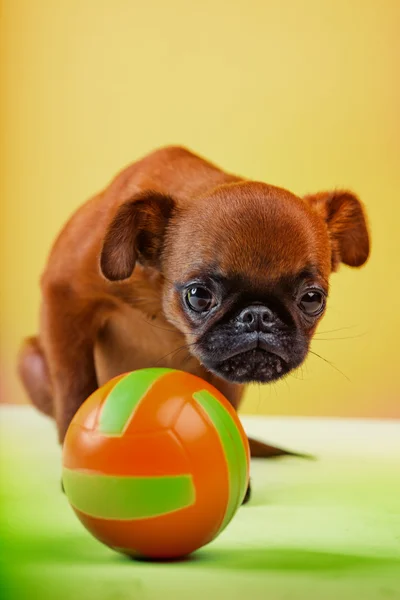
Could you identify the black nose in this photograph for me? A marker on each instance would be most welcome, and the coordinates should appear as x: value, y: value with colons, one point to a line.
x: 256, y: 318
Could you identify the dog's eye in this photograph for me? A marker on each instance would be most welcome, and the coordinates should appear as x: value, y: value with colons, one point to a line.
x: 312, y: 303
x: 199, y: 299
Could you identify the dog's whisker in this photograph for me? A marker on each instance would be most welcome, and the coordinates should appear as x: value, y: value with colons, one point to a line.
x: 187, y: 357
x: 176, y: 350
x: 335, y: 330
x: 259, y: 398
x: 298, y: 373
x: 294, y: 377
x: 331, y: 364
x: 349, y: 337
x: 165, y: 328
x: 162, y: 328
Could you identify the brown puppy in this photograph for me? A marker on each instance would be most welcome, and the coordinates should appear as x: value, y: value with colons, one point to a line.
x: 180, y: 264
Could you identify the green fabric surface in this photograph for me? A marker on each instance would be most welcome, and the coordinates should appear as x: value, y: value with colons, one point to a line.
x: 327, y: 529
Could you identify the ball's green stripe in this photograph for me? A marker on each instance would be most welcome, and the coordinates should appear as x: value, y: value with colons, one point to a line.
x: 210, y: 405
x: 125, y: 397
x: 126, y: 498
x: 233, y: 447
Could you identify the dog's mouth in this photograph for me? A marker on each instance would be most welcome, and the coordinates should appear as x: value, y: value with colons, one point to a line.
x: 255, y: 365
x: 258, y: 360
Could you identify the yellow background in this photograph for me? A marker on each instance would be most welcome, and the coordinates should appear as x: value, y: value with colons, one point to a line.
x: 302, y: 94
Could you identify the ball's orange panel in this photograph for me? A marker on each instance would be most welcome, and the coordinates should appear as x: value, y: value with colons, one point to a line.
x: 159, y: 537
x: 87, y: 414
x: 150, y: 454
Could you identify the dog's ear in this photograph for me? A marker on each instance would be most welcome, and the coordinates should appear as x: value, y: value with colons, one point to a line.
x: 136, y: 233
x: 346, y: 221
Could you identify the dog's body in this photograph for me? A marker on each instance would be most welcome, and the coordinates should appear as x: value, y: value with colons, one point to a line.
x: 175, y: 262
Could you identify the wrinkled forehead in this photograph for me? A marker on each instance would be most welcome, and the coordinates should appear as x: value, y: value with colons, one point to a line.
x: 265, y: 233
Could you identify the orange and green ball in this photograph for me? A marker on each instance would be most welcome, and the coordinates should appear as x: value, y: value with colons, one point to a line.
x: 156, y: 463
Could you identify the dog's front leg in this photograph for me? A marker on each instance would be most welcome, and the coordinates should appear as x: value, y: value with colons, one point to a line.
x: 68, y: 332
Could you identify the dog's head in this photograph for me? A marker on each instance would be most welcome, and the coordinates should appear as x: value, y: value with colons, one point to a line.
x: 246, y: 269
